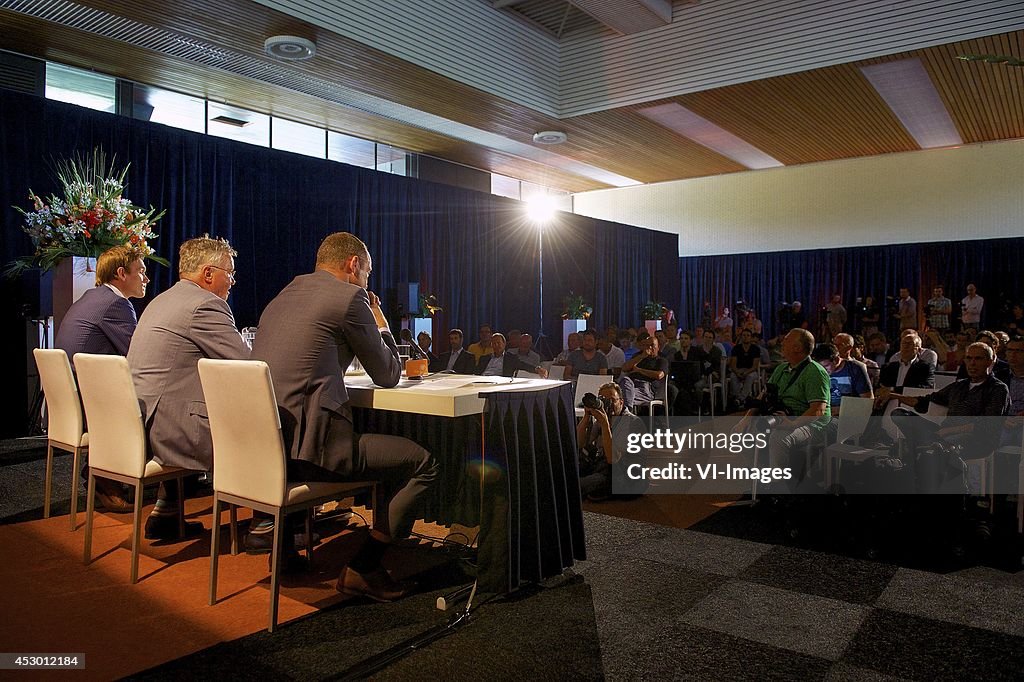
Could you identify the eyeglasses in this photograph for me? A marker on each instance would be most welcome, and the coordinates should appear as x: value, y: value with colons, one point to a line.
x: 230, y: 273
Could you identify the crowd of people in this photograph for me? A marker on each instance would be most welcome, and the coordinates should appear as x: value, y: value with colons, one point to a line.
x: 310, y: 332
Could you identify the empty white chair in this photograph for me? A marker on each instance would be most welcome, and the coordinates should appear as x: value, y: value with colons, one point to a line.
x: 854, y: 417
x: 523, y: 374
x: 250, y: 461
x: 117, y: 441
x: 65, y: 428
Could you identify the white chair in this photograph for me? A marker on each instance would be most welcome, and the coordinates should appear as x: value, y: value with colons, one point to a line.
x: 556, y: 372
x: 523, y: 374
x: 588, y: 383
x: 65, y: 428
x: 853, y: 419
x: 117, y: 441
x: 663, y: 402
x: 250, y: 461
x: 942, y: 379
x: 712, y: 386
x: 1017, y: 450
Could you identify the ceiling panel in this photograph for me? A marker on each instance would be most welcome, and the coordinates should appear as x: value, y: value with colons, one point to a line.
x: 811, y: 116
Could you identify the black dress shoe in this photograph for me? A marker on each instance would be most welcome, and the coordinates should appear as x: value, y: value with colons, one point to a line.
x: 292, y: 562
x: 263, y: 542
x: 377, y: 585
x: 165, y: 527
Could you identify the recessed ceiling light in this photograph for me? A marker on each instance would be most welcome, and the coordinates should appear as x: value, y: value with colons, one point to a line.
x: 681, y: 120
x: 289, y: 48
x: 550, y: 137
x: 908, y: 90
x: 229, y: 121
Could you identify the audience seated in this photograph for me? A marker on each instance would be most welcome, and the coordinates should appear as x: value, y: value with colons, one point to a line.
x: 456, y: 359
x: 586, y: 359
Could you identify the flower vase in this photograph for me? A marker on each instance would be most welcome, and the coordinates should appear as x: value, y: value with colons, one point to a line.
x: 571, y: 327
x: 71, y: 278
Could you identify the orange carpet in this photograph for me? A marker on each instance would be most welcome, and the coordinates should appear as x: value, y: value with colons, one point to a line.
x: 53, y: 603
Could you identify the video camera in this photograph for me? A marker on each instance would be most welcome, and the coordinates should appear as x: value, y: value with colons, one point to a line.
x: 768, y: 402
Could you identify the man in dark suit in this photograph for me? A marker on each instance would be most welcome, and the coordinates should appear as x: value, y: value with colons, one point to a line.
x: 906, y: 370
x: 102, y: 321
x: 457, y: 359
x: 500, y: 363
x: 308, y: 335
x: 189, y: 321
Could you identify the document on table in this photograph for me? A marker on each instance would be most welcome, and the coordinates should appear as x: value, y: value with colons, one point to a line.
x: 450, y: 383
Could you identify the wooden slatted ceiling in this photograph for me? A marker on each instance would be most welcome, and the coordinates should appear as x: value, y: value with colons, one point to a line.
x: 107, y: 56
x: 823, y: 114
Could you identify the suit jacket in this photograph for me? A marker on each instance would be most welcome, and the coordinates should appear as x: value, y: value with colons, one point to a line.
x: 308, y: 335
x: 920, y: 375
x: 99, y: 322
x: 464, y: 364
x: 509, y: 365
x: 180, y: 326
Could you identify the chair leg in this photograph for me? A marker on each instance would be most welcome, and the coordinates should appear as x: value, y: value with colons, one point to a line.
x: 136, y: 530
x: 309, y: 534
x: 181, y: 507
x: 233, y: 513
x: 214, y: 548
x: 90, y: 504
x: 275, y: 568
x: 74, y: 488
x: 49, y: 480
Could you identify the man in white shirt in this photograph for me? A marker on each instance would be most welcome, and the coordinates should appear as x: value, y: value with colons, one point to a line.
x: 970, y: 307
x: 525, y: 352
x: 616, y: 358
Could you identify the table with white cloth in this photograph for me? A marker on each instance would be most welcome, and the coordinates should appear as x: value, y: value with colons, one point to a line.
x: 507, y: 454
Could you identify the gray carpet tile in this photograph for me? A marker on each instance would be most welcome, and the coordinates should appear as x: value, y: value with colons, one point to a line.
x: 698, y: 551
x: 799, y: 622
x: 21, y: 487
x: 956, y: 600
x: 685, y: 652
x: 844, y: 672
x: 826, y: 575
x: 917, y: 648
x: 637, y: 599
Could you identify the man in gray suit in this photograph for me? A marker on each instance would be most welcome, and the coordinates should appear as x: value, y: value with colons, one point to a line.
x: 189, y: 321
x: 308, y: 335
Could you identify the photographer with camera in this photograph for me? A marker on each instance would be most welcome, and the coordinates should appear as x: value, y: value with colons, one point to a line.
x: 601, y: 436
x: 797, y: 396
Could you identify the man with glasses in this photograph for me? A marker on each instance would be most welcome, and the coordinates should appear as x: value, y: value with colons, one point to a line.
x: 978, y: 395
x: 189, y: 321
x: 1013, y: 376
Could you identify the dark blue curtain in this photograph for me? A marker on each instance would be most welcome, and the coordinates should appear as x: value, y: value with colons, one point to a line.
x: 475, y: 251
x: 765, y: 280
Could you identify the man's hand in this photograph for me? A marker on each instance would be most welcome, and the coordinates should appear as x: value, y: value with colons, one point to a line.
x: 541, y: 372
x: 378, y: 314
x: 599, y: 416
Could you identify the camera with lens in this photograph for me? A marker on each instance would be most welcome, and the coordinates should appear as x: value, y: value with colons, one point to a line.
x: 597, y: 403
x: 768, y: 402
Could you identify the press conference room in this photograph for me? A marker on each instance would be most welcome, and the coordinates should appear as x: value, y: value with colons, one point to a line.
x: 512, y: 339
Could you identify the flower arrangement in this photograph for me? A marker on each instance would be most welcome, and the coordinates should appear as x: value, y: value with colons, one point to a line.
x: 429, y: 305
x: 90, y: 217
x: 652, y: 310
x: 576, y: 308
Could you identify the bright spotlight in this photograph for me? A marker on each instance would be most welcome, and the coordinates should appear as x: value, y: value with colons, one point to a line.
x: 541, y: 208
